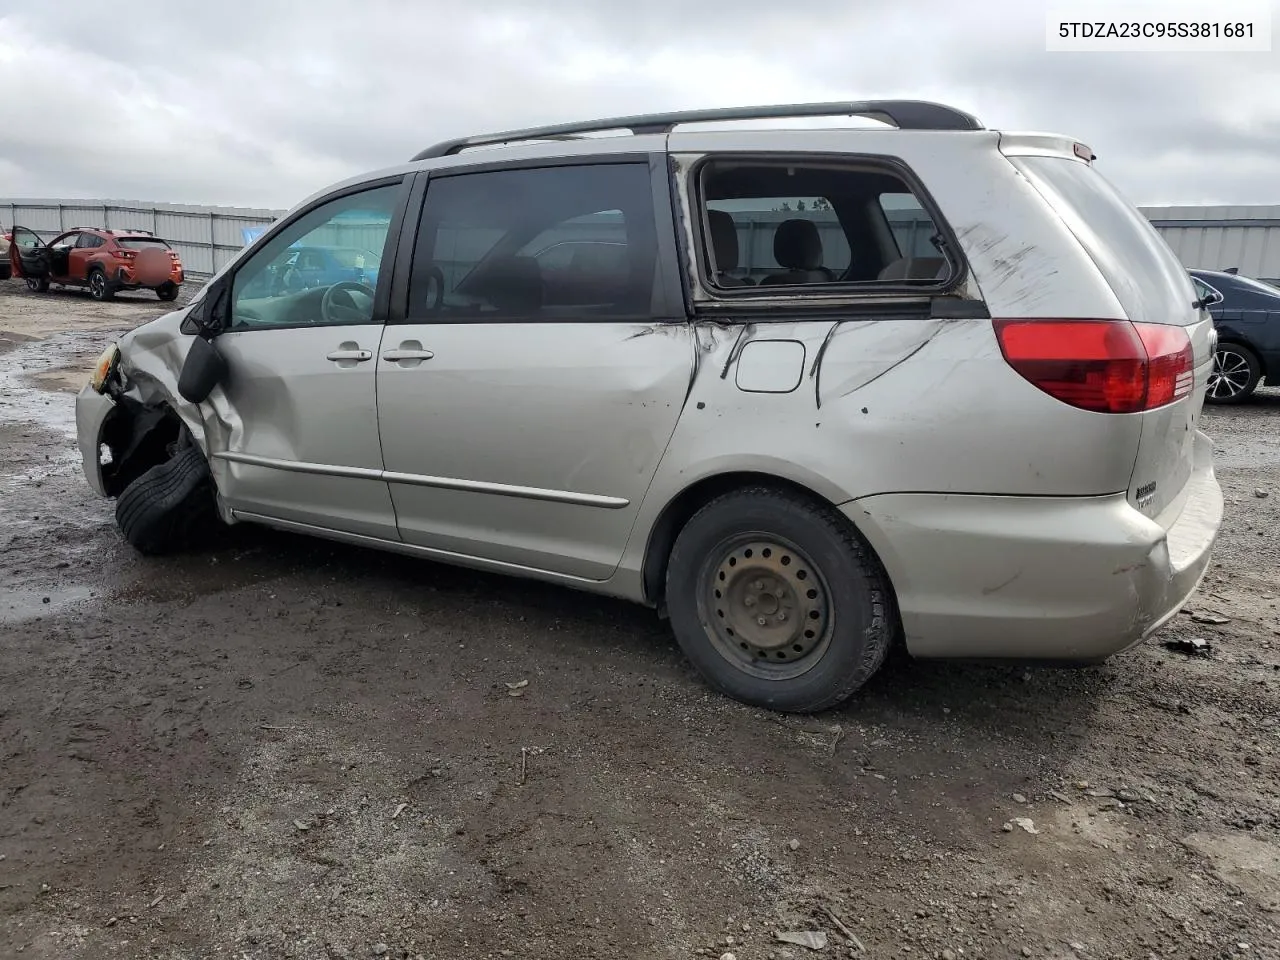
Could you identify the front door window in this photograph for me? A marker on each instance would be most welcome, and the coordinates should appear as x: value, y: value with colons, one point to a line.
x: 321, y: 269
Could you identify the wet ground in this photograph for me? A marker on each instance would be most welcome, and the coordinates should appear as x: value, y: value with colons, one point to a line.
x: 280, y: 747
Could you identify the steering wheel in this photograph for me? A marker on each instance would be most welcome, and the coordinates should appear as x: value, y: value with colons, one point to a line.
x: 335, y: 312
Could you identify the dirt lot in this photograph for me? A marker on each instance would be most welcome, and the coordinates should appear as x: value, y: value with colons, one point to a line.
x: 286, y: 748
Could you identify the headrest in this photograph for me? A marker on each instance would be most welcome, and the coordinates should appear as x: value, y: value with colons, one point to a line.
x: 724, y: 239
x: 797, y: 246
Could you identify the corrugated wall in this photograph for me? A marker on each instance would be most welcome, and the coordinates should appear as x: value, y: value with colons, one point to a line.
x: 1216, y: 238
x: 205, y: 237
x: 1212, y: 238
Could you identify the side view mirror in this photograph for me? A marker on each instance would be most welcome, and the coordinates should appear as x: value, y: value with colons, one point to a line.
x: 1211, y: 297
x: 203, y: 370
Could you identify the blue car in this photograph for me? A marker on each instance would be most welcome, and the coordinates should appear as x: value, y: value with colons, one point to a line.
x: 1246, y: 314
x: 307, y: 267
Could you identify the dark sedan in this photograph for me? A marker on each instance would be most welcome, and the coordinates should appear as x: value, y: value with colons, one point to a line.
x: 1247, y: 318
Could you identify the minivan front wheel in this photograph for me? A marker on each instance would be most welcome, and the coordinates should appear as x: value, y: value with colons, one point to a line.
x: 1236, y: 373
x: 777, y: 601
x: 170, y: 506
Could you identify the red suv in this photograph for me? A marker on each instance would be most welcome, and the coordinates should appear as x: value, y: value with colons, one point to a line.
x: 102, y: 260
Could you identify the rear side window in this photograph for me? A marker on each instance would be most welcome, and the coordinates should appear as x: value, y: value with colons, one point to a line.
x: 1138, y: 265
x: 564, y: 242
x: 139, y: 243
x: 811, y: 225
x: 913, y: 228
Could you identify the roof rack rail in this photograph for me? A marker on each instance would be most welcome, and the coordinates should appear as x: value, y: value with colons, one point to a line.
x: 904, y: 114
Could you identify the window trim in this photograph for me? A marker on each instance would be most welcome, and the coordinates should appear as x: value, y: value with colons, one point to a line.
x: 1208, y: 286
x: 221, y: 306
x: 816, y: 296
x: 667, y: 305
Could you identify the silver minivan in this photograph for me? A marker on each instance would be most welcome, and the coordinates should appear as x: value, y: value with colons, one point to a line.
x: 807, y: 392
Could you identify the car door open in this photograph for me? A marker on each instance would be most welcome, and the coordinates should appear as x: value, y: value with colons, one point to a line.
x: 524, y: 404
x: 28, y: 256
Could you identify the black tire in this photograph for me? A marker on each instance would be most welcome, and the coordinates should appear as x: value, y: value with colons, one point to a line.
x: 827, y: 600
x: 167, y: 291
x: 1236, y: 374
x: 168, y: 505
x: 38, y: 284
x: 100, y: 286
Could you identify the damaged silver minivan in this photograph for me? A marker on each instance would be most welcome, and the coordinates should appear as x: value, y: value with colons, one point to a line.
x: 808, y: 392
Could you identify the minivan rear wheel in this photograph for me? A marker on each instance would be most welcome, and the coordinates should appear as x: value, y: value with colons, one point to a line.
x: 1236, y: 374
x: 777, y: 601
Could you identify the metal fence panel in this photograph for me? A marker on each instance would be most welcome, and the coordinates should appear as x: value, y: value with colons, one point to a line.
x: 1208, y: 237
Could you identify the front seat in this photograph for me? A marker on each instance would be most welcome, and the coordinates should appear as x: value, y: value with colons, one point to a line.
x: 798, y: 247
x: 724, y: 244
x: 513, y: 285
x: 915, y: 268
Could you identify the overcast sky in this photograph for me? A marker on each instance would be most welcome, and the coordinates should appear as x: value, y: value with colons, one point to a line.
x: 260, y: 103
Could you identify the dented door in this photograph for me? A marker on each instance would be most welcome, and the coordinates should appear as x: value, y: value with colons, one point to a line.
x: 528, y: 443
x: 305, y: 447
x: 300, y: 441
x: 525, y: 401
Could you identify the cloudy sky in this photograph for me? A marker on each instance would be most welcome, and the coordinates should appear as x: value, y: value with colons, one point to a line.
x: 260, y: 103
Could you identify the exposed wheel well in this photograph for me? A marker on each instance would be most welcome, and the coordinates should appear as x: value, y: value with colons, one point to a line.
x: 139, y: 437
x: 684, y: 506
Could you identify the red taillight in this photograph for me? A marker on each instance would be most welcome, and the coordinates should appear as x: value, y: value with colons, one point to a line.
x: 123, y: 254
x: 1108, y: 366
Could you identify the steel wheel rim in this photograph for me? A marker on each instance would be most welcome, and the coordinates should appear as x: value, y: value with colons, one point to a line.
x: 33, y: 284
x: 757, y: 577
x: 1230, y: 376
x: 98, y: 284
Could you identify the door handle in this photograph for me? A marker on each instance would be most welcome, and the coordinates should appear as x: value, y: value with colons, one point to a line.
x: 350, y: 355
x: 410, y: 353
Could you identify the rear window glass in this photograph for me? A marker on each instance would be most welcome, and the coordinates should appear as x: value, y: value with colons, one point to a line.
x: 138, y: 243
x: 1133, y: 258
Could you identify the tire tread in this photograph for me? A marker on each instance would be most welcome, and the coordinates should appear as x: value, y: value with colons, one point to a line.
x: 880, y: 631
x: 159, y: 510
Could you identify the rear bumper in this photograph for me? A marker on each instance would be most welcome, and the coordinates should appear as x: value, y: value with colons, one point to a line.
x: 125, y: 277
x: 1041, y: 578
x: 92, y: 410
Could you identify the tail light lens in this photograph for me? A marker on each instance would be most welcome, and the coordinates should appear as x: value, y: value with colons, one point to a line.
x: 1108, y: 366
x: 122, y: 254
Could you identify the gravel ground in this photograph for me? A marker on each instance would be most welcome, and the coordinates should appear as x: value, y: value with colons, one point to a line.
x: 281, y: 748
